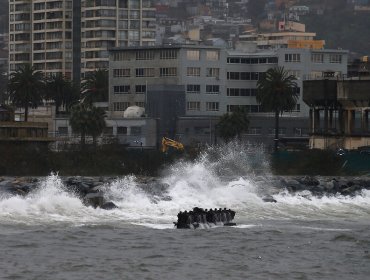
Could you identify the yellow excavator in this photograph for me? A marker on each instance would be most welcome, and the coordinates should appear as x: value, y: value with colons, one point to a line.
x: 167, y: 142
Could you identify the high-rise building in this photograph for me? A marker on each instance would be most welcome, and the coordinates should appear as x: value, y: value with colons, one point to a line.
x: 114, y: 23
x: 72, y: 36
x: 40, y: 33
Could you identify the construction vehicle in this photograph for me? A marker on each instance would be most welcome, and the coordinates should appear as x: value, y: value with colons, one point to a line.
x: 167, y: 142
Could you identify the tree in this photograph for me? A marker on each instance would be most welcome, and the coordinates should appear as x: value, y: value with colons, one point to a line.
x: 25, y: 88
x: 61, y: 91
x: 277, y: 92
x: 87, y: 120
x: 96, y: 122
x: 78, y: 120
x: 232, y: 125
x: 3, y: 83
x: 95, y: 87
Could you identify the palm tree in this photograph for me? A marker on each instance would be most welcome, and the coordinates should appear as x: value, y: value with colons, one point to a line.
x: 25, y: 88
x: 95, y: 87
x: 277, y: 92
x: 232, y: 125
x: 60, y: 90
x: 79, y: 120
x: 87, y: 120
x: 96, y: 122
x: 3, y: 83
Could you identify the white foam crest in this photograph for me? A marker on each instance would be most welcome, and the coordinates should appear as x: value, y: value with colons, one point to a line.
x: 49, y: 203
x: 133, y: 202
x: 306, y: 206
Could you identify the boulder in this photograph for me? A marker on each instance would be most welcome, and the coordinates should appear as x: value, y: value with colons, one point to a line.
x: 351, y: 190
x: 294, y: 185
x: 94, y: 199
x: 309, y: 181
x: 108, y: 206
x: 269, y: 198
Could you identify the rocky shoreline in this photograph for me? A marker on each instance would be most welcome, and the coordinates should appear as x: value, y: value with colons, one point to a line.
x: 91, y: 189
x: 88, y: 189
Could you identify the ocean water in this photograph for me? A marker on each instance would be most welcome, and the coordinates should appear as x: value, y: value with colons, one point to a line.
x: 50, y: 234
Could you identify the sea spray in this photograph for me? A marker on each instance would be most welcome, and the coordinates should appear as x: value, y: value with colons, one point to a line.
x: 229, y: 176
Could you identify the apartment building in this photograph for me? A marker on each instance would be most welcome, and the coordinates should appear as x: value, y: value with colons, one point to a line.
x: 40, y: 33
x: 114, y: 23
x: 284, y: 39
x: 214, y: 81
x: 69, y: 37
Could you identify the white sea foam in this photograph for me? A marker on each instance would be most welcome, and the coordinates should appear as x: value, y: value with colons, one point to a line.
x: 201, y: 184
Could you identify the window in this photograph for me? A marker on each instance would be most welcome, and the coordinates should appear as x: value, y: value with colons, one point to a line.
x: 234, y: 108
x: 233, y: 75
x: 63, y: 130
x: 293, y: 57
x: 145, y: 72
x: 144, y: 55
x: 135, y: 130
x: 120, y: 106
x: 254, y: 131
x: 212, y: 55
x: 121, y: 130
x: 193, y: 71
x: 193, y: 54
x: 297, y: 131
x: 335, y: 58
x: 140, y: 89
x: 232, y: 60
x: 295, y: 73
x: 254, y: 76
x: 193, y: 88
x: 212, y: 106
x: 124, y: 89
x: 121, y: 73
x: 317, y: 58
x: 316, y: 74
x: 168, y: 72
x: 193, y: 106
x: 246, y: 76
x: 168, y: 54
x: 212, y: 89
x: 238, y: 92
x: 140, y: 104
x: 282, y: 131
x: 272, y: 60
x: 121, y: 56
x: 213, y: 72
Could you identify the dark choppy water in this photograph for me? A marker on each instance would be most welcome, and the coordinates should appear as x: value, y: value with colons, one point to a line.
x: 50, y: 234
x: 267, y: 250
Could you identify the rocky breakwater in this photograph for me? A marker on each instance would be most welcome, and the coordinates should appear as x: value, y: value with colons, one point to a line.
x: 88, y: 189
x: 320, y: 186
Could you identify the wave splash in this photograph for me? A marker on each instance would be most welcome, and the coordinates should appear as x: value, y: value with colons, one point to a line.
x: 228, y: 176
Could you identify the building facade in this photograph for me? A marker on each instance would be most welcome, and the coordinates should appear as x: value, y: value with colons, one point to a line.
x: 114, y: 23
x: 215, y: 81
x: 40, y: 33
x: 69, y: 37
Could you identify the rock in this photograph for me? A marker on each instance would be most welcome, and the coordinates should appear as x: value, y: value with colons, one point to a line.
x: 269, y: 198
x: 295, y: 185
x: 108, y: 206
x: 351, y: 190
x: 94, y: 199
x: 331, y: 185
x: 318, y: 190
x: 309, y: 181
x: 96, y: 189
